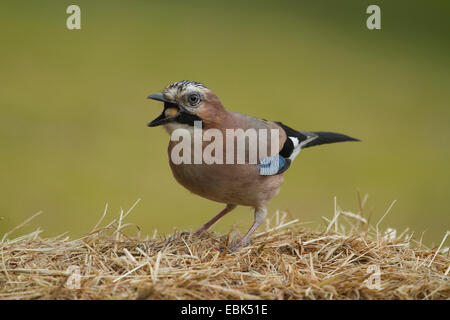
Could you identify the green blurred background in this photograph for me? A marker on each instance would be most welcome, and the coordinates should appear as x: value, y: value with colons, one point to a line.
x: 73, y: 118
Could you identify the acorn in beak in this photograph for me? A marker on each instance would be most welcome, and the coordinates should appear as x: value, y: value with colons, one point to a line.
x: 170, y: 112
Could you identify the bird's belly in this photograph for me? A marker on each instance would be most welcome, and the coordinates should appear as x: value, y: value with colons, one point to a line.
x: 235, y: 184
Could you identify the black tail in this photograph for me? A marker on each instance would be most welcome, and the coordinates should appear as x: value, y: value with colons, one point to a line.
x: 306, y: 139
x: 328, y: 137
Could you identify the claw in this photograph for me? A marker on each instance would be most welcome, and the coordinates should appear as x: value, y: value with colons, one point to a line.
x: 182, y: 234
x: 239, y: 244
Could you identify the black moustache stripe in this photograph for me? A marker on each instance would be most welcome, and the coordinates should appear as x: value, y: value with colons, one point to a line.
x: 187, y: 118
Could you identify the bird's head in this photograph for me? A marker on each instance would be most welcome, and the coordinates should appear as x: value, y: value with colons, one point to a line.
x: 184, y: 103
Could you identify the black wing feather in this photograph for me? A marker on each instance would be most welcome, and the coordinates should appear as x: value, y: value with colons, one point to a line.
x: 321, y: 138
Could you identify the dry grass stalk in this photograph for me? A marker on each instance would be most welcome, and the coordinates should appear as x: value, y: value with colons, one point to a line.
x: 284, y: 262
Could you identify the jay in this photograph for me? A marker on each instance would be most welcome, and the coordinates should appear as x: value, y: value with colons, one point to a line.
x: 248, y: 183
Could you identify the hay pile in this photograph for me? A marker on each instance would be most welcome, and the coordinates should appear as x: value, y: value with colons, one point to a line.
x: 285, y: 261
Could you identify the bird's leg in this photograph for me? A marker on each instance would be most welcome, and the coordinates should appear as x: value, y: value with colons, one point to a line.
x: 207, y: 225
x: 260, y: 215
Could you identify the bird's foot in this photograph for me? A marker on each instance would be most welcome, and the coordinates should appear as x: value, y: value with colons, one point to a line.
x: 200, y: 232
x: 239, y: 244
x: 179, y: 235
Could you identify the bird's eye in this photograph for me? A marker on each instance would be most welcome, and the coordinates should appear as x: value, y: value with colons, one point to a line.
x: 194, y: 99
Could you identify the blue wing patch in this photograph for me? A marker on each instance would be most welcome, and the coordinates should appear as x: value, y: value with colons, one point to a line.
x: 271, y: 166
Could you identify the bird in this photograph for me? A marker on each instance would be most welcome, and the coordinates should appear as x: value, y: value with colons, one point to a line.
x: 253, y: 184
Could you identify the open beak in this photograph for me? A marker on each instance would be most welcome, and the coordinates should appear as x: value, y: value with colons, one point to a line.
x: 159, y: 97
x: 169, y: 113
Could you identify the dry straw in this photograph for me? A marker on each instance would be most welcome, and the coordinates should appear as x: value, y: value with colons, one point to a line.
x: 285, y: 261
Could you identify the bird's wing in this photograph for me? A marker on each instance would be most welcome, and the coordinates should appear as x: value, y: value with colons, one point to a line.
x: 273, y: 163
x: 245, y: 122
x: 291, y: 142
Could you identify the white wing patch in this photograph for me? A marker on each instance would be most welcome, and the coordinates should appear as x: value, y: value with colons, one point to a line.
x: 295, y: 141
x: 295, y: 153
x: 298, y: 146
